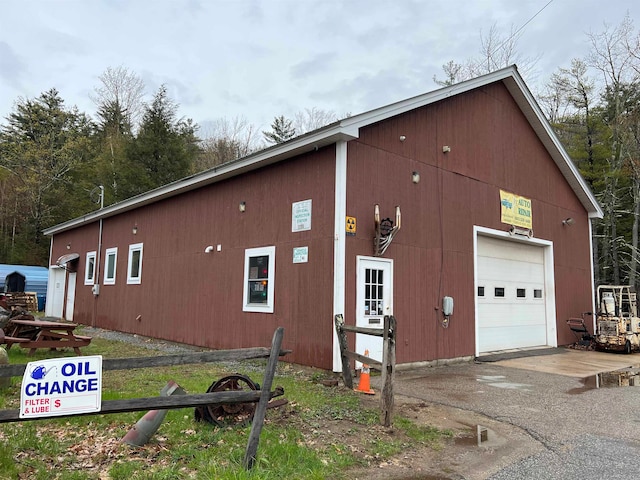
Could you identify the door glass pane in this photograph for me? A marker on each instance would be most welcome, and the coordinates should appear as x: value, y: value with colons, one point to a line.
x: 373, y: 292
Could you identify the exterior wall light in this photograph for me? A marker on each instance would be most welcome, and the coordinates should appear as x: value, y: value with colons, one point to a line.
x: 568, y: 221
x: 242, y: 207
x: 415, y: 177
x: 446, y: 149
x: 134, y: 230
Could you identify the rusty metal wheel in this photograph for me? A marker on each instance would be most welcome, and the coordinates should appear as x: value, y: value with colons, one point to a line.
x: 231, y: 413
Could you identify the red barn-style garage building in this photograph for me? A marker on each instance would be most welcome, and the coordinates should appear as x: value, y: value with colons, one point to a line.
x: 493, y: 215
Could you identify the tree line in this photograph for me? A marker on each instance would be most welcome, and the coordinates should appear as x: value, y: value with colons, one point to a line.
x: 57, y: 163
x: 53, y: 157
x: 593, y: 106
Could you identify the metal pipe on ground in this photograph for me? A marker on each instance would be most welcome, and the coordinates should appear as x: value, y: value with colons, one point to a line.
x: 150, y: 422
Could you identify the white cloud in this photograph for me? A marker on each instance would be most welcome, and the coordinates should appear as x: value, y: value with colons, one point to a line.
x: 259, y: 59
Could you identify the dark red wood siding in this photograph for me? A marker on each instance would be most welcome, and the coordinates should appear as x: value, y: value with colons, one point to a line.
x: 192, y: 297
x: 492, y: 147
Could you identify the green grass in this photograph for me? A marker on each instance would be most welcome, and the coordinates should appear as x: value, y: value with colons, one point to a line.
x: 319, y: 434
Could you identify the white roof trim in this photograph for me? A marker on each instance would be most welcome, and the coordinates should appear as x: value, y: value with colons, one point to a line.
x: 348, y: 129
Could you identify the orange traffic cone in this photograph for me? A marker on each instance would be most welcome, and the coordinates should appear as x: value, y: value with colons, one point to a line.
x: 365, y: 379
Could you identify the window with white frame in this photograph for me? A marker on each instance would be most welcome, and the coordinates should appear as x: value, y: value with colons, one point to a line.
x: 259, y: 279
x: 110, y: 262
x: 90, y: 269
x: 134, y: 268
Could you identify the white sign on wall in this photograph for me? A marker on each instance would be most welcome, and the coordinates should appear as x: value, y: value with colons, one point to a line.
x: 301, y: 216
x: 61, y: 386
x: 300, y: 254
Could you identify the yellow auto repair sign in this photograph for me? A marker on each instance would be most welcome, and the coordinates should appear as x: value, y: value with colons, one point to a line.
x: 515, y: 210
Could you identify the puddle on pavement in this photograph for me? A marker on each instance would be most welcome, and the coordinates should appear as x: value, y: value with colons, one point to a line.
x: 629, y: 377
x: 483, y: 435
x: 499, y: 381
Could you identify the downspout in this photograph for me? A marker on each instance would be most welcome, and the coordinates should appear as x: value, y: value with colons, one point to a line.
x: 339, y: 247
x: 593, y: 283
x: 96, y: 278
x: 49, y: 282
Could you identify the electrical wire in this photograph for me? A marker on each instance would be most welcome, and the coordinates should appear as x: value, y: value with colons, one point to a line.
x: 521, y: 28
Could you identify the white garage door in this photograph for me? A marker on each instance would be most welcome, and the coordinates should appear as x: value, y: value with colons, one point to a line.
x: 511, y: 296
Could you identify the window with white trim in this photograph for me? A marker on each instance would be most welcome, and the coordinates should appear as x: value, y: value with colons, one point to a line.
x: 134, y: 268
x: 90, y: 268
x: 110, y: 262
x: 259, y: 279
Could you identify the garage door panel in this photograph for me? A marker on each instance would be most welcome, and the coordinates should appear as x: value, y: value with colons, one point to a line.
x: 494, y: 269
x: 511, y: 308
x: 509, y: 250
x: 511, y: 315
x: 495, y: 338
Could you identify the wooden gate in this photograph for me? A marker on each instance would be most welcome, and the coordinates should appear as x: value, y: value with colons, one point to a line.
x: 262, y: 396
x: 386, y: 367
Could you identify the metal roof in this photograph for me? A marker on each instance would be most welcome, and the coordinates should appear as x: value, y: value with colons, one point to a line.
x: 348, y: 129
x: 36, y: 278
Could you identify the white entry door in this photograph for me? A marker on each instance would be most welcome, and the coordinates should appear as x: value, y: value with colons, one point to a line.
x: 71, y: 296
x: 55, y: 292
x: 374, y: 282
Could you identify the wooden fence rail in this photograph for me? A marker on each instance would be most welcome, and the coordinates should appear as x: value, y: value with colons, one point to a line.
x: 386, y: 367
x: 261, y: 397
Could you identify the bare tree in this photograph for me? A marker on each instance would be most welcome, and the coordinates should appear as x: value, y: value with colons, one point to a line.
x: 311, y: 119
x: 496, y: 51
x: 614, y: 54
x: 226, y: 140
x: 122, y: 88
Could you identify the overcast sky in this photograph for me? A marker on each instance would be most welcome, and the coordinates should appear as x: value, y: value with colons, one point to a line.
x: 258, y: 59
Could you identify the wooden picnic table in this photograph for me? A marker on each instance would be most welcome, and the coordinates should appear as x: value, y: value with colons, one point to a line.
x: 34, y: 334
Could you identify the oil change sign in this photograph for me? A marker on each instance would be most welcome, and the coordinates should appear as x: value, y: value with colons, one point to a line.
x: 61, y: 386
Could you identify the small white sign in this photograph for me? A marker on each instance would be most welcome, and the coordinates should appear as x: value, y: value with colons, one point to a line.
x: 61, y: 386
x: 301, y: 216
x: 300, y: 254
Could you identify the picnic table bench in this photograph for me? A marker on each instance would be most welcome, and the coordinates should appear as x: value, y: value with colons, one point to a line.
x: 34, y: 334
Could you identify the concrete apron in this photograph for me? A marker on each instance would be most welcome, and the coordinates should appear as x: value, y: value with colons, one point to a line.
x: 574, y: 363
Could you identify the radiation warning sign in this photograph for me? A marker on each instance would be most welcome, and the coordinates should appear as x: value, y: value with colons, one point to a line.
x: 351, y: 225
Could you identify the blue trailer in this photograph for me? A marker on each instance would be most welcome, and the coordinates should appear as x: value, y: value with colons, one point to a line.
x: 25, y: 278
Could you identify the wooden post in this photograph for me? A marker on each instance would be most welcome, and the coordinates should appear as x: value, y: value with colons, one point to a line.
x: 261, y: 408
x: 388, y: 370
x: 342, y: 341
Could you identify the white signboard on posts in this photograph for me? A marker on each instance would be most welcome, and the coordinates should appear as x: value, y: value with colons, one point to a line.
x: 61, y: 386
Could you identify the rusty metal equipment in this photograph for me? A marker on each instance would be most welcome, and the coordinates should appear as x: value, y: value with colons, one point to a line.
x: 580, y: 330
x: 229, y: 413
x: 150, y: 422
x: 617, y: 322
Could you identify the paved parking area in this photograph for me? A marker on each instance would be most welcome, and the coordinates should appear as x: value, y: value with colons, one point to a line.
x: 548, y: 417
x: 573, y: 363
